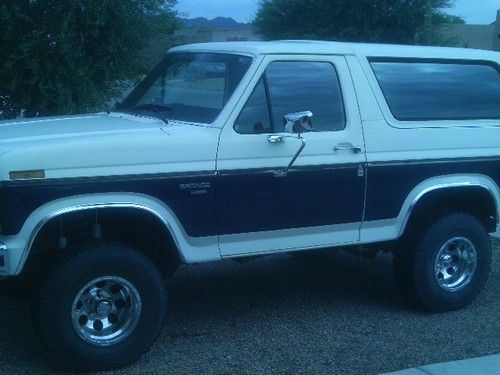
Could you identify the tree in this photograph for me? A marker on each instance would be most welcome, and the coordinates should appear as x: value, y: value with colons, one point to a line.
x: 388, y: 21
x: 66, y: 56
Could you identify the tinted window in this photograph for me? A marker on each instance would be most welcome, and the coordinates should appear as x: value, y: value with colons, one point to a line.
x: 440, y: 91
x: 306, y: 86
x: 254, y: 117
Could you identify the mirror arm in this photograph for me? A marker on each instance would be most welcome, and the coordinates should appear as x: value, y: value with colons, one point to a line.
x: 299, y: 151
x: 281, y: 138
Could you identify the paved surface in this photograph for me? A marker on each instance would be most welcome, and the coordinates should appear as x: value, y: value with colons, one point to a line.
x: 489, y: 365
x: 281, y: 315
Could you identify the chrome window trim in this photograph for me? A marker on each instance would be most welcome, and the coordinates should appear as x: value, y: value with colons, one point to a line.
x: 4, y: 252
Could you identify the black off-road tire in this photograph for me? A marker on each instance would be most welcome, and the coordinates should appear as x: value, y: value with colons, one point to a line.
x: 414, y: 263
x: 53, y: 305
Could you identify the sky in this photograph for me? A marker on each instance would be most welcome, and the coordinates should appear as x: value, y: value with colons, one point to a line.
x: 473, y: 11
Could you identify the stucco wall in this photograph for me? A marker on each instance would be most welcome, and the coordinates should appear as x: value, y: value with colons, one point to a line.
x: 474, y: 36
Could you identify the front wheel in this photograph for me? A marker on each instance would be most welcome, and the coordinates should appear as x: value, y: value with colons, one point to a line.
x: 447, y: 266
x: 102, y: 308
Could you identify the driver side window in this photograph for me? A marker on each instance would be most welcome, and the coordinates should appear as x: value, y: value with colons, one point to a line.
x: 294, y: 86
x: 254, y: 117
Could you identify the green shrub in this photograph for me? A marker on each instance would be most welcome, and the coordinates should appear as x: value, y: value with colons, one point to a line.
x: 69, y: 56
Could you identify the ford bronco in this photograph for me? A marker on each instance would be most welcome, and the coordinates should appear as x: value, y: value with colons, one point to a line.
x: 231, y: 150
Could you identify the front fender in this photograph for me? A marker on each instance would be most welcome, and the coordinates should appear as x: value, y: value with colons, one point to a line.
x: 16, y: 248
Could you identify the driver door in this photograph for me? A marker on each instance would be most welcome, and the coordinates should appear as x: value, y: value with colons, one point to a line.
x: 263, y: 206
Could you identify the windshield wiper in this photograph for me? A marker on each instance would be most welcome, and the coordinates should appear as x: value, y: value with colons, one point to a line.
x: 158, y: 109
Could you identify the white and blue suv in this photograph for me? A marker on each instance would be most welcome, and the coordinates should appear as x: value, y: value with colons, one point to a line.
x: 232, y: 150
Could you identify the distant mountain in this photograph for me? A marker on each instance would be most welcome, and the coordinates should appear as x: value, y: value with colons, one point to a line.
x: 216, y: 23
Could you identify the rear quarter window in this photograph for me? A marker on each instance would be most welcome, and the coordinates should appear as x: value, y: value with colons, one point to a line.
x: 439, y: 90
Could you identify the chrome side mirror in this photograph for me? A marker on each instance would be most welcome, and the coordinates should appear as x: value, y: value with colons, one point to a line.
x: 298, y: 122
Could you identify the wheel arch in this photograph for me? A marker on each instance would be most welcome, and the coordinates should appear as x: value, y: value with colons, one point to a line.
x: 441, y: 189
x: 186, y: 247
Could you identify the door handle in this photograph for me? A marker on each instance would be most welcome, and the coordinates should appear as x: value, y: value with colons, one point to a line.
x: 276, y: 138
x: 347, y: 147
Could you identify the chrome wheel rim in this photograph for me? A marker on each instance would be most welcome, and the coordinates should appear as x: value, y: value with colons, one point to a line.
x: 106, y: 310
x: 455, y: 264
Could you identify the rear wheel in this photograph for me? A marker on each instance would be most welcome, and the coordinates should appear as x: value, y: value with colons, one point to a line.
x: 102, y: 308
x: 447, y: 265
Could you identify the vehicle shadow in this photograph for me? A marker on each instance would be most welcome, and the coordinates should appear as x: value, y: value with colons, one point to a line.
x: 340, y: 282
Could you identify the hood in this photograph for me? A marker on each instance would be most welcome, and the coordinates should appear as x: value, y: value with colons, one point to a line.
x: 36, y: 129
x: 103, y: 145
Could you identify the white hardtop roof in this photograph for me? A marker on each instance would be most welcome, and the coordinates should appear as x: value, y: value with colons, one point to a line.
x: 339, y: 48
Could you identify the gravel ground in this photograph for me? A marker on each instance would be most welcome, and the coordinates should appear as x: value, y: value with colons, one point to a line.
x: 283, y: 315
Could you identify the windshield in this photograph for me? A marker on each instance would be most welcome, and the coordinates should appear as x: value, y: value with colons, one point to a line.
x: 192, y: 87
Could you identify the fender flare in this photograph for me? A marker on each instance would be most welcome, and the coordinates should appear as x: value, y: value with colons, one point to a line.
x: 188, y: 247
x: 446, y: 182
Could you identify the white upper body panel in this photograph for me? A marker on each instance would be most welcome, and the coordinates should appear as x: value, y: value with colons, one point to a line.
x: 104, y: 145
x: 117, y: 143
